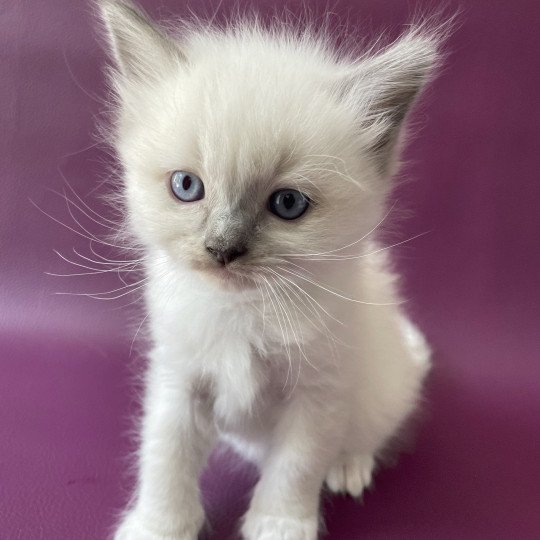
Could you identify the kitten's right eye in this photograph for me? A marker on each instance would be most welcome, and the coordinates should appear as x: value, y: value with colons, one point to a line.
x: 187, y: 186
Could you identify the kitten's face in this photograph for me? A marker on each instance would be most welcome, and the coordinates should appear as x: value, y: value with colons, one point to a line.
x: 250, y: 115
x: 246, y: 145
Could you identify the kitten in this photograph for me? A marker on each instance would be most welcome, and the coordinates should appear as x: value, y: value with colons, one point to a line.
x: 256, y: 165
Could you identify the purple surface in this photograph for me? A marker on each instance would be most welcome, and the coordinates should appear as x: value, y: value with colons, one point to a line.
x: 67, y: 379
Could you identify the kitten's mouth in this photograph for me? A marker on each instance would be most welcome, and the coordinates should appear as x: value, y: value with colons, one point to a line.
x: 228, y: 276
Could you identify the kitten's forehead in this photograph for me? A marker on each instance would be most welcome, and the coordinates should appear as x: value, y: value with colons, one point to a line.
x: 251, y: 138
x: 243, y: 144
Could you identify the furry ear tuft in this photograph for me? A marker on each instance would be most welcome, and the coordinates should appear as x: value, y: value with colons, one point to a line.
x: 138, y: 46
x: 382, y: 87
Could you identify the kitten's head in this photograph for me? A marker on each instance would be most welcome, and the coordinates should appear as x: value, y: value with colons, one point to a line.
x: 242, y: 147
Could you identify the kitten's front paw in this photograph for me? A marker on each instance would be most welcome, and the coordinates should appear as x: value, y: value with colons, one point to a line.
x: 351, y: 474
x: 137, y: 527
x: 263, y: 527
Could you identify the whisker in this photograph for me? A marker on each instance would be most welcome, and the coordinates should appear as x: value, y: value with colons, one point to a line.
x: 384, y: 248
x: 93, y: 236
x: 102, y: 296
x: 339, y: 295
x: 284, y: 311
x: 339, y: 173
x: 81, y: 210
x: 114, y: 261
x: 78, y: 232
x: 285, y: 341
x: 293, y: 306
x: 362, y: 255
x: 97, y: 272
x: 76, y: 263
x: 366, y: 235
x: 93, y: 97
x: 308, y: 296
x: 259, y: 288
x: 137, y: 333
x: 330, y: 337
x: 94, y: 270
x: 88, y: 208
x: 107, y: 263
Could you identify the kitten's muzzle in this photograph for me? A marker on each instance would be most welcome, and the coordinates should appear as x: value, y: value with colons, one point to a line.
x: 226, y: 255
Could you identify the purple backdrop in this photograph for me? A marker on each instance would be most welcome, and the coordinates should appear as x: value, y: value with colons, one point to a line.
x: 66, y: 384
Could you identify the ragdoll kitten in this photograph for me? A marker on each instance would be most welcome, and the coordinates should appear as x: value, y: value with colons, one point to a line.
x: 256, y: 166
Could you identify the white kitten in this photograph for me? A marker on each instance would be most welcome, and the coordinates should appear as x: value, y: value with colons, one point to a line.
x: 256, y: 166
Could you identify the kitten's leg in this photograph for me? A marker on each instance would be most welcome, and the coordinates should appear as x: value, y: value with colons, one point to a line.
x: 285, y: 504
x: 397, y: 363
x: 176, y: 440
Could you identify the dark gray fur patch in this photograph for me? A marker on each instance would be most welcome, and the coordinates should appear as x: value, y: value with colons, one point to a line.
x: 236, y: 227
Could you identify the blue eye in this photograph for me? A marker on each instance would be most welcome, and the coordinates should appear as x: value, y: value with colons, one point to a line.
x: 288, y: 203
x: 186, y: 186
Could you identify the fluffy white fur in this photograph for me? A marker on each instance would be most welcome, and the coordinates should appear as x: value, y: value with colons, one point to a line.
x: 297, y: 353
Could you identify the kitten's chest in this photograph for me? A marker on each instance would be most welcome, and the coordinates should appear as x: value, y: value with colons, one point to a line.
x: 242, y: 365
x: 240, y: 350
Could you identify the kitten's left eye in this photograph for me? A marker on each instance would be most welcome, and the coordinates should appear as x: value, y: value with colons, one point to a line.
x: 187, y: 186
x: 288, y: 203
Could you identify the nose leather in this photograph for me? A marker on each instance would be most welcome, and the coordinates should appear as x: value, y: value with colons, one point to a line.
x: 226, y: 255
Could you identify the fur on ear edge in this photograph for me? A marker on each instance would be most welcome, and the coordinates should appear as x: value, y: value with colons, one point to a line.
x: 382, y: 86
x: 138, y: 45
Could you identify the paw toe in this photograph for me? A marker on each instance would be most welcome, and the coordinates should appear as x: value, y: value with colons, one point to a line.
x: 352, y: 475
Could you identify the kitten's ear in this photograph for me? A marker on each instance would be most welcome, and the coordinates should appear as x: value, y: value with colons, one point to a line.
x: 139, y: 47
x: 382, y: 87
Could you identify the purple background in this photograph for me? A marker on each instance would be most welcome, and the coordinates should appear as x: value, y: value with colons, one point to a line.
x: 67, y: 375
